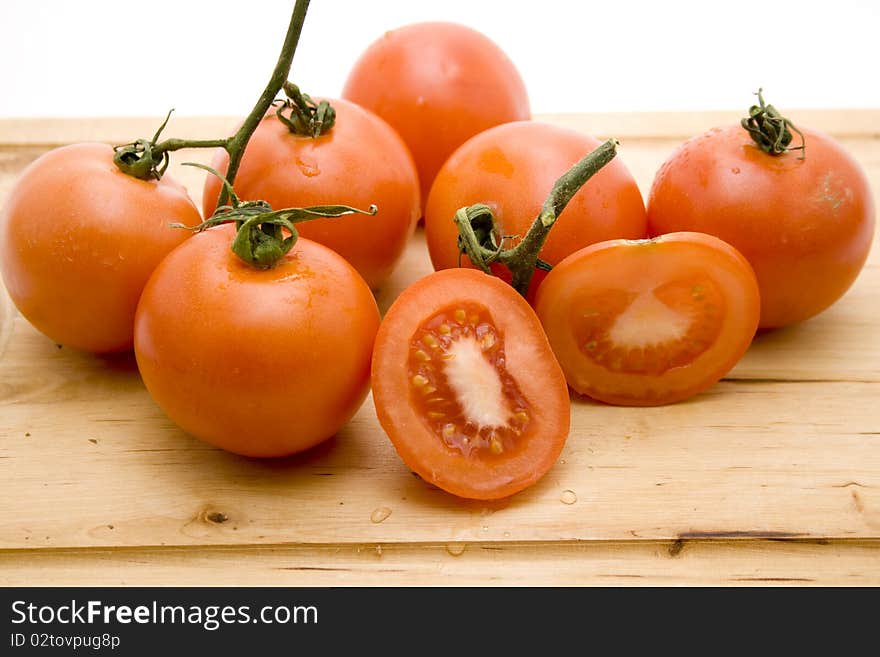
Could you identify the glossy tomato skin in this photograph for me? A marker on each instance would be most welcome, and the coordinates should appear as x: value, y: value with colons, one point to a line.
x: 79, y: 239
x: 512, y: 168
x: 437, y: 84
x: 359, y: 162
x: 649, y: 322
x: 259, y: 363
x: 805, y: 225
x: 534, y: 382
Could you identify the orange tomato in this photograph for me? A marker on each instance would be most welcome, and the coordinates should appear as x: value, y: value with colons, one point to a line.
x: 437, y: 84
x: 466, y: 386
x: 359, y: 162
x: 79, y: 239
x: 805, y: 225
x: 512, y: 168
x: 649, y: 322
x: 257, y: 362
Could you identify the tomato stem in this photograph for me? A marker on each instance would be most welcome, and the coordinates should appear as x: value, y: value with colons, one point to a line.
x: 770, y: 130
x: 305, y: 116
x: 481, y: 240
x: 260, y: 239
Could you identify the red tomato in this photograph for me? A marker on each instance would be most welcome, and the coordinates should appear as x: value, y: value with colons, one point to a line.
x: 649, y: 322
x: 437, y: 84
x: 805, y: 225
x: 359, y: 162
x: 79, y: 239
x: 512, y: 168
x: 466, y: 386
x: 258, y: 362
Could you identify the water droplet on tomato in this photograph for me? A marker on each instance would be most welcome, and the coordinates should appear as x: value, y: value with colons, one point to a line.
x: 380, y: 514
x: 568, y: 497
x: 309, y: 169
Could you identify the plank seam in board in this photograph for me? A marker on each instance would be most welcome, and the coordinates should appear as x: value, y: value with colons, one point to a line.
x: 740, y: 539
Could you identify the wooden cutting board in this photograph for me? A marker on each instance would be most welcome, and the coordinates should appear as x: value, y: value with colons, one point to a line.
x: 771, y: 476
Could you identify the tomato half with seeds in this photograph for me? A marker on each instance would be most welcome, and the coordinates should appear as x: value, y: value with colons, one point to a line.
x: 466, y: 385
x: 649, y: 322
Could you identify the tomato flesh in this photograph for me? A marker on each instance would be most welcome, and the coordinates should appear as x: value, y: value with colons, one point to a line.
x: 649, y: 322
x: 460, y: 384
x: 651, y: 331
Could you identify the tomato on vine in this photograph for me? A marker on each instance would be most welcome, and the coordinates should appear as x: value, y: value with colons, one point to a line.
x: 79, y: 239
x: 789, y: 198
x: 262, y: 349
x: 311, y: 152
x: 511, y: 169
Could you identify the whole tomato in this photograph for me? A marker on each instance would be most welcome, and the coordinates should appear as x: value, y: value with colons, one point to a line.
x: 360, y: 161
x: 79, y: 239
x: 512, y: 168
x: 437, y: 84
x: 259, y: 362
x: 803, y: 219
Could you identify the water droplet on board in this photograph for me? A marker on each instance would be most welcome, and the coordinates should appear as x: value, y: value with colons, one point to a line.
x: 456, y: 549
x: 380, y: 514
x: 568, y: 497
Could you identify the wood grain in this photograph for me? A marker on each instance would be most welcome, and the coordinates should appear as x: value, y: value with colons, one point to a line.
x: 786, y: 448
x: 628, y: 563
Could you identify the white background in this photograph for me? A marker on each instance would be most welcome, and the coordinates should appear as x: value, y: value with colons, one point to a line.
x: 91, y: 58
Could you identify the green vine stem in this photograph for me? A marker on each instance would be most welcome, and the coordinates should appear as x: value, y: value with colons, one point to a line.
x: 479, y: 235
x: 770, y: 130
x: 260, y: 239
x: 149, y: 159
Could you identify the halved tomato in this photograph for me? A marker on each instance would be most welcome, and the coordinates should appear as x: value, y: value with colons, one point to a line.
x: 467, y: 387
x: 649, y: 322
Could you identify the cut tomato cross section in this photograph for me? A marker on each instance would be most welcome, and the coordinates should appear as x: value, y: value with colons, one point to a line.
x: 467, y: 387
x: 647, y: 322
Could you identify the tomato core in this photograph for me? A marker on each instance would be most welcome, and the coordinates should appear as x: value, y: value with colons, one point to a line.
x: 649, y: 331
x: 460, y: 385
